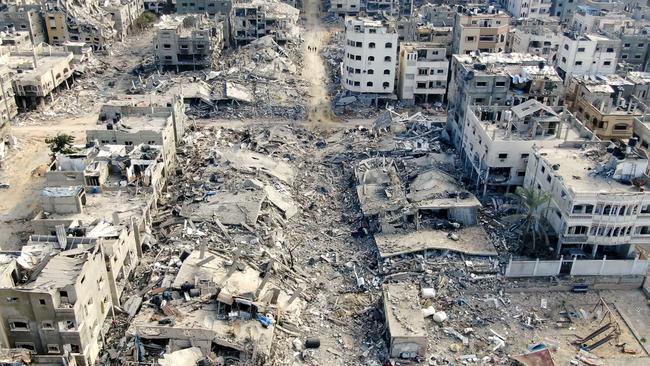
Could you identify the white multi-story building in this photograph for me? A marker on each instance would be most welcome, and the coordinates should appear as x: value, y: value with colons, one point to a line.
x: 370, y: 56
x: 588, y: 19
x: 528, y: 8
x: 423, y: 69
x: 599, y: 205
x: 587, y: 54
x: 497, y: 141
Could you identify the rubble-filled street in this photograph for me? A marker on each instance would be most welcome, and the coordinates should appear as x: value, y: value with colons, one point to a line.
x: 344, y: 182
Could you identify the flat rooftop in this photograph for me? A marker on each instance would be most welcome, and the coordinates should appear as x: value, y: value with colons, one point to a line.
x: 403, y: 313
x: 583, y: 170
x: 139, y: 123
x: 26, y: 63
x: 101, y: 206
x: 638, y: 78
x: 496, y: 62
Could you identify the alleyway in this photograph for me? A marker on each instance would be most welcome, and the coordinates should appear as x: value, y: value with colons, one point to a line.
x: 315, y: 37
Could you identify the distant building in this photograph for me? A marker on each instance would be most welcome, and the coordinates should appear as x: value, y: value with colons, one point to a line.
x: 345, y: 7
x: 588, y: 54
x: 38, y: 73
x: 442, y: 15
x: 26, y: 18
x: 528, y: 8
x: 211, y: 7
x: 254, y: 19
x: 124, y: 14
x: 192, y: 41
x: 423, y: 70
x: 368, y: 65
x: 539, y: 37
x: 480, y: 29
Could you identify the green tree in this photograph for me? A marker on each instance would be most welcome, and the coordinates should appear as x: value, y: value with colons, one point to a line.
x: 61, y: 143
x: 146, y: 20
x: 529, y: 216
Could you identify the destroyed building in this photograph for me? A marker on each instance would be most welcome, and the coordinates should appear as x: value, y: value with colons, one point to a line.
x: 480, y: 29
x: 146, y: 123
x: 87, y: 21
x: 218, y: 305
x: 433, y: 212
x: 56, y: 298
x: 38, y: 73
x: 211, y: 7
x: 124, y: 14
x: 188, y: 42
x: 370, y: 57
x: 423, y: 70
x: 25, y: 18
x: 8, y: 107
x: 498, y: 79
x: 253, y: 19
x: 498, y: 141
x: 605, y: 104
x: 16, y: 40
x: 599, y: 204
x: 405, y: 326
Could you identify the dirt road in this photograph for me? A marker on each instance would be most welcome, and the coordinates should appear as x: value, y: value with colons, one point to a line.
x: 315, y: 37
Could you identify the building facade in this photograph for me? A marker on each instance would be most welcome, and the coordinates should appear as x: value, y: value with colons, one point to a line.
x: 188, y: 42
x: 587, y: 54
x: 483, y: 30
x: 370, y: 56
x: 423, y: 71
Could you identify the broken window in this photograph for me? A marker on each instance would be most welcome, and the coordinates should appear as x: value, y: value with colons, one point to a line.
x: 389, y: 45
x: 11, y: 299
x: 387, y: 59
x: 26, y: 345
x: 18, y: 325
x: 387, y: 72
x: 53, y: 348
x: 47, y: 325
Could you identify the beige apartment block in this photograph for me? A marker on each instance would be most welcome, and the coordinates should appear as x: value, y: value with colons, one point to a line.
x: 36, y: 75
x: 480, y: 29
x: 605, y: 104
x: 8, y: 107
x: 55, y: 298
x: 188, y: 42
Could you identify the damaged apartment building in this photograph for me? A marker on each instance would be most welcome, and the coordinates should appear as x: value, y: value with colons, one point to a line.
x: 254, y: 19
x: 498, y: 140
x: 25, y: 18
x: 483, y: 29
x: 188, y: 42
x: 498, y: 79
x: 38, y: 73
x: 8, y: 107
x: 84, y: 22
x: 606, y: 104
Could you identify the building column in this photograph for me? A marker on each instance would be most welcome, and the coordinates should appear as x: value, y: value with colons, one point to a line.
x: 594, y: 250
x: 487, y: 175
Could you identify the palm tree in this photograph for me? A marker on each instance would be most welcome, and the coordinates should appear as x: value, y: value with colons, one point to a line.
x: 530, y: 216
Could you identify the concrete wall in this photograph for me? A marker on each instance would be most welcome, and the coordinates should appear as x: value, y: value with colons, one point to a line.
x: 603, y: 267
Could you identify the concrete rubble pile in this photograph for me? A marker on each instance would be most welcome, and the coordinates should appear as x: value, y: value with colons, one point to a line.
x: 259, y: 80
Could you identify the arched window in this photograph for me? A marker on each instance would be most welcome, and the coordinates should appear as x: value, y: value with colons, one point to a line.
x: 386, y: 84
x: 371, y: 71
x: 371, y: 44
x: 386, y: 72
x: 389, y: 45
x: 371, y: 58
x: 369, y: 83
x: 387, y: 58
